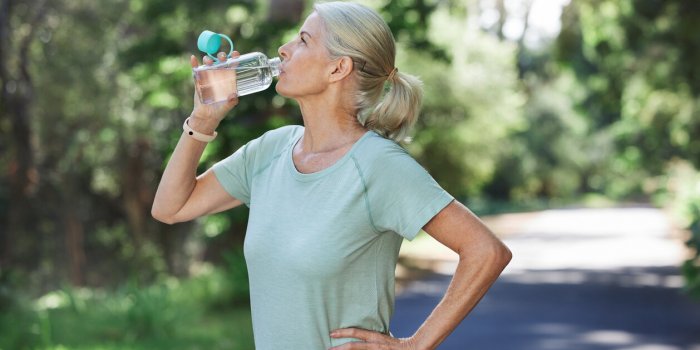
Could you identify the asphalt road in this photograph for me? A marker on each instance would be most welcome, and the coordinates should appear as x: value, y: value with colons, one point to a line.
x: 588, y: 279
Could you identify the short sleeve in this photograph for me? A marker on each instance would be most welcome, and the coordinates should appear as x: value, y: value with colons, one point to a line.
x: 402, y: 195
x: 236, y: 172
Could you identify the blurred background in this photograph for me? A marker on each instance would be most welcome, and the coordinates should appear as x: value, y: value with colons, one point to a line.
x: 562, y: 123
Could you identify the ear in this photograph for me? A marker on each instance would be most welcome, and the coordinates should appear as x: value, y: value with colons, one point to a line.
x: 341, y: 68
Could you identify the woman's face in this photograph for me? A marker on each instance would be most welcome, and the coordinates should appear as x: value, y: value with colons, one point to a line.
x: 306, y: 65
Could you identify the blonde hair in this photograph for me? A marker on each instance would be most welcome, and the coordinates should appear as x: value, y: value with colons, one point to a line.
x: 359, y: 32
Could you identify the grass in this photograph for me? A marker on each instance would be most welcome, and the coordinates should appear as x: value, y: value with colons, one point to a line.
x: 228, y: 329
x: 198, y: 313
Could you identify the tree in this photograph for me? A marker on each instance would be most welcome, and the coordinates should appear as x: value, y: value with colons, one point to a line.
x: 18, y: 92
x: 472, y: 102
x: 92, y: 105
x: 638, y: 63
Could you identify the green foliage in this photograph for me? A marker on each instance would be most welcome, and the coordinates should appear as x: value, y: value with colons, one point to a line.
x: 409, y: 20
x: 151, y: 312
x: 471, y: 104
x: 691, y: 267
x: 236, y: 277
x: 679, y: 190
x: 19, y: 326
x: 551, y: 156
x: 167, y: 315
x: 633, y: 60
x: 106, y: 116
x: 223, y: 287
x: 609, y: 109
x: 637, y: 61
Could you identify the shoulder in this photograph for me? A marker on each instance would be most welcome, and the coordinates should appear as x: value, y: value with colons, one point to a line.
x: 377, y: 148
x: 381, y: 157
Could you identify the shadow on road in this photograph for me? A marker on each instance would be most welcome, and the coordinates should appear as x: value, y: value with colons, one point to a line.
x: 630, y: 308
x: 584, y: 279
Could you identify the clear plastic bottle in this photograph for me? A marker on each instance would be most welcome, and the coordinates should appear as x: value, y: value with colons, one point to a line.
x: 245, y: 75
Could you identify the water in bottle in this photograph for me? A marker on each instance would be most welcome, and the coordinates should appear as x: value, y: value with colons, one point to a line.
x: 243, y: 75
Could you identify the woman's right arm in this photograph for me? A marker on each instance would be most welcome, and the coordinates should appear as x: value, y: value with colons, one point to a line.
x: 181, y: 194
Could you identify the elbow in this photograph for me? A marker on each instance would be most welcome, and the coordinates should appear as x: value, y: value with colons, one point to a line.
x: 499, y: 254
x: 504, y: 255
x: 492, y: 251
x: 162, y: 217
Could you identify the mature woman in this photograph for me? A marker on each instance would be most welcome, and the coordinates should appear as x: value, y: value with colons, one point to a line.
x: 331, y: 201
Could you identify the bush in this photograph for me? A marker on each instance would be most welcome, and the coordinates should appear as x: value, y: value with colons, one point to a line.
x: 19, y: 324
x: 19, y: 327
x: 237, y: 276
x: 691, y: 267
x: 681, y: 193
x: 150, y: 313
x: 170, y: 314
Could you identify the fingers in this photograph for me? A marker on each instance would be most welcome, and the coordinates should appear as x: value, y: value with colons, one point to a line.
x: 193, y: 61
x: 355, y: 346
x: 358, y: 333
x: 350, y: 346
x: 232, y: 101
x: 221, y: 56
x: 370, y: 339
x: 364, y: 346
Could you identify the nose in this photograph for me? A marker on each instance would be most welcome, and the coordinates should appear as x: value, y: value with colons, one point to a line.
x: 283, y: 52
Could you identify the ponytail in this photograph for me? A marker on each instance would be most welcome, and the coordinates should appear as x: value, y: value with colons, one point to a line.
x: 387, y: 100
x: 394, y: 116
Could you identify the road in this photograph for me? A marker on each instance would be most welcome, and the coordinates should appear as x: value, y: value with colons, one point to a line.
x: 588, y: 279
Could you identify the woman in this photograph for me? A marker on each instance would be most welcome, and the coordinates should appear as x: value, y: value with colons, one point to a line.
x: 331, y: 202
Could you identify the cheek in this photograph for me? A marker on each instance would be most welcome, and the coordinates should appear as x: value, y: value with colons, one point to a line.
x: 301, y: 80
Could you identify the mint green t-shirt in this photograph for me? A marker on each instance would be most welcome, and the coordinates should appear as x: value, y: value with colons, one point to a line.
x: 321, y: 248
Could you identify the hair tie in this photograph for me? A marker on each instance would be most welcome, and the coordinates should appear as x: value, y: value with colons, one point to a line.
x: 393, y: 72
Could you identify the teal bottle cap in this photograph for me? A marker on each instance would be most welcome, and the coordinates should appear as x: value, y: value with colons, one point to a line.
x: 210, y: 43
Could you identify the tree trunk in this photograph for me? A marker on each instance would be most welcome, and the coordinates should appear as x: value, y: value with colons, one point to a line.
x: 502, y: 18
x: 137, y: 195
x: 288, y: 11
x: 522, y: 56
x: 15, y: 98
x: 526, y: 24
x: 75, y: 238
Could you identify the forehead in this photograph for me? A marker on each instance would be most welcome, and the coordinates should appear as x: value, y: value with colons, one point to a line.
x: 313, y: 24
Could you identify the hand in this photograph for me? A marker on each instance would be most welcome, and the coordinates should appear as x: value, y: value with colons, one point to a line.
x: 371, y: 340
x: 215, y: 112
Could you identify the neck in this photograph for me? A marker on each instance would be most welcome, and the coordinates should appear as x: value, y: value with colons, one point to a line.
x: 328, y: 127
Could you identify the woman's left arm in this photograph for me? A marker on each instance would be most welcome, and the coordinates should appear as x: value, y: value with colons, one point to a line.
x: 482, y: 258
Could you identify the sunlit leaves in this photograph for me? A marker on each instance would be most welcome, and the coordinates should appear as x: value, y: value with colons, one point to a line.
x: 471, y: 103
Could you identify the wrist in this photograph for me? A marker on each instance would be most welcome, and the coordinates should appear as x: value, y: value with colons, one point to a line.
x: 203, y: 125
x: 199, y: 136
x: 418, y: 343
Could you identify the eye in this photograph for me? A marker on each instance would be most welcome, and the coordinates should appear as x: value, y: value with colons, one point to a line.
x: 302, y: 40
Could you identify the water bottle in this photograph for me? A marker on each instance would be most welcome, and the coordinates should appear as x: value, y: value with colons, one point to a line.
x: 243, y: 75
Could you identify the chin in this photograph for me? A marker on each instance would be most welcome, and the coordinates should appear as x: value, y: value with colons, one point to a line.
x: 280, y: 88
x: 284, y: 91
